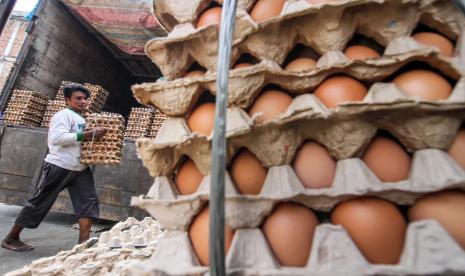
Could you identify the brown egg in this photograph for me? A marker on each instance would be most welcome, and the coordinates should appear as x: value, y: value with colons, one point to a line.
x: 360, y: 52
x: 211, y: 16
x: 202, y: 119
x: 457, y: 149
x: 375, y: 225
x: 387, y: 160
x: 271, y: 103
x: 199, y: 233
x: 188, y: 178
x: 444, y: 45
x: 194, y: 74
x: 247, y: 173
x: 289, y: 231
x: 314, y: 166
x: 242, y: 65
x: 266, y: 9
x: 424, y: 84
x: 340, y: 89
x: 301, y: 64
x: 447, y: 208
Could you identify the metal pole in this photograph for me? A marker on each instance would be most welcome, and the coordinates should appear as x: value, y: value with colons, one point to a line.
x: 216, y: 242
x: 6, y: 6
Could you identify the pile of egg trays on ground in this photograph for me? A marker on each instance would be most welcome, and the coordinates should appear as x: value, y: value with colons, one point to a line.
x: 52, y: 108
x: 126, y: 242
x: 139, y: 122
x: 158, y: 119
x: 108, y: 149
x: 98, y: 97
x: 425, y: 128
x: 25, y: 108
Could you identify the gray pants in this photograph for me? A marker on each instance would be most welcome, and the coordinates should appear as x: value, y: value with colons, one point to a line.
x: 53, y: 180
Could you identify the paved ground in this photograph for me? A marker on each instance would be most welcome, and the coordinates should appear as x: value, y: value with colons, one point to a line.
x: 53, y: 235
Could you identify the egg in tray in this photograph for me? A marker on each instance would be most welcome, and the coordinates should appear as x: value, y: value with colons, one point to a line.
x: 345, y: 146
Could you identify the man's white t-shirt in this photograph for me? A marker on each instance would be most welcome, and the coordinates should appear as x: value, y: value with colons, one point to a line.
x: 64, y: 135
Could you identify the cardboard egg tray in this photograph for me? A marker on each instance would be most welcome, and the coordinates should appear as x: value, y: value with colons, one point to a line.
x: 52, y: 108
x: 171, y: 13
x: 126, y: 242
x: 25, y: 108
x: 108, y: 149
x: 301, y: 22
x: 432, y: 170
x: 98, y: 97
x: 344, y: 131
x: 178, y: 97
x: 158, y: 119
x: 332, y: 253
x: 139, y: 122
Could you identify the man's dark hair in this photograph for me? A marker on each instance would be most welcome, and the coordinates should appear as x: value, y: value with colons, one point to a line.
x: 70, y: 89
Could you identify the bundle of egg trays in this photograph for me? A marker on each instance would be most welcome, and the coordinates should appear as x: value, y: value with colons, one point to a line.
x: 98, y: 95
x: 60, y: 95
x: 157, y: 122
x: 52, y: 107
x: 272, y: 142
x: 56, y: 105
x: 108, y: 149
x: 25, y: 108
x: 125, y: 243
x: 139, y: 122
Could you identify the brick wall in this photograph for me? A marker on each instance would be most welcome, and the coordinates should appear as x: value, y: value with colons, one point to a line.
x: 17, y: 22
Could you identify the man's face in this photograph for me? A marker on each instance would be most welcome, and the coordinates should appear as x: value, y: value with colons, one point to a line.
x: 77, y: 101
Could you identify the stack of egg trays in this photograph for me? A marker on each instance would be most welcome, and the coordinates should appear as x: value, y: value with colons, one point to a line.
x: 98, y: 97
x: 52, y: 107
x: 108, y: 149
x: 25, y: 108
x: 139, y: 122
x: 425, y: 128
x: 158, y: 119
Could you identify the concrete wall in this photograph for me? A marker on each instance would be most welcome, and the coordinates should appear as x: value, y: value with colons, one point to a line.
x: 21, y: 154
x: 20, y: 150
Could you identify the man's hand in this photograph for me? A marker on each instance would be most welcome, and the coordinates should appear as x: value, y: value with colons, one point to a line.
x: 99, y: 132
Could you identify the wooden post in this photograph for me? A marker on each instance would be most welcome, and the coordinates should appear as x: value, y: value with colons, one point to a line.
x: 216, y: 206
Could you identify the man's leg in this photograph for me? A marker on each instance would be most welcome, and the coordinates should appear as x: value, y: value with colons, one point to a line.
x: 12, y: 241
x: 52, y: 181
x: 84, y: 229
x: 85, y: 202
